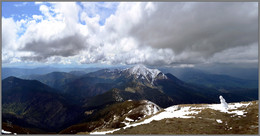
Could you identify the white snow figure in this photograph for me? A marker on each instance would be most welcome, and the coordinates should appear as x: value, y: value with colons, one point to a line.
x: 223, y: 102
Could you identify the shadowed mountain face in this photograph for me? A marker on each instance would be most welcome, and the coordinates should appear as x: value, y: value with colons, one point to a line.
x: 29, y: 103
x: 217, y: 81
x: 54, y: 79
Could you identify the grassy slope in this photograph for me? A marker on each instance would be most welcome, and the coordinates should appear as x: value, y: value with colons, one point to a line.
x: 203, y: 123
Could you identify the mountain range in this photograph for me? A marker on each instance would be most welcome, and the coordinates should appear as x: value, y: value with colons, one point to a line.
x: 54, y: 101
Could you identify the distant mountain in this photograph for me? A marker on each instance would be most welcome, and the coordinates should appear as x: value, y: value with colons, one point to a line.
x: 140, y: 83
x: 132, y: 83
x: 32, y: 104
x: 217, y: 81
x: 237, y: 72
x: 20, y: 72
x: 145, y: 75
x: 234, y: 71
x: 250, y: 94
x: 88, y: 86
x: 53, y: 79
x: 78, y: 73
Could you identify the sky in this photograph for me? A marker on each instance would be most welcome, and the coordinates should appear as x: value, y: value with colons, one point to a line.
x: 173, y: 34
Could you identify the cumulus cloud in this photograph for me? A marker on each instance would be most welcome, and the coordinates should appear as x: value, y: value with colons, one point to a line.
x: 9, y: 40
x: 65, y: 46
x: 9, y: 30
x: 101, y: 9
x: 152, y: 33
x: 56, y: 35
x: 205, y: 28
x: 241, y: 54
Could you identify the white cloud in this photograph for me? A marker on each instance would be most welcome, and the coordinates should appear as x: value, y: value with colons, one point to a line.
x: 138, y: 32
x: 37, y: 17
x: 9, y: 30
x: 38, y: 3
x: 241, y: 54
x: 101, y: 9
x: 9, y: 40
x: 45, y: 10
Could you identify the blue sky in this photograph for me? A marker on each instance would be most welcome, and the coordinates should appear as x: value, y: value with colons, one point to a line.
x: 19, y: 10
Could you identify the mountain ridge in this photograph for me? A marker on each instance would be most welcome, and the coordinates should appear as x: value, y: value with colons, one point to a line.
x: 27, y: 102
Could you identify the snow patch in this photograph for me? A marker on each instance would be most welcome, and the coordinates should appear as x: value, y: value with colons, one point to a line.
x: 219, y: 121
x: 5, y: 132
x: 130, y: 111
x: 168, y: 113
x: 151, y: 108
x: 188, y: 112
x: 128, y: 119
x: 182, y: 111
x: 232, y: 108
x: 103, y: 132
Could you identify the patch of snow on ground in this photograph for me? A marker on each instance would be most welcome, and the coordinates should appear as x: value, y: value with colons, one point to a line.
x: 103, y: 132
x: 155, y: 109
x: 184, y: 112
x: 187, y: 111
x: 130, y: 111
x: 128, y: 119
x: 237, y: 112
x: 238, y: 105
x: 5, y: 132
x: 168, y: 113
x: 219, y: 121
x: 231, y: 106
x: 151, y: 108
x: 126, y: 123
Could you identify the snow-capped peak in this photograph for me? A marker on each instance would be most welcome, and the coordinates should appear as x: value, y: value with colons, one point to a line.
x: 148, y: 74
